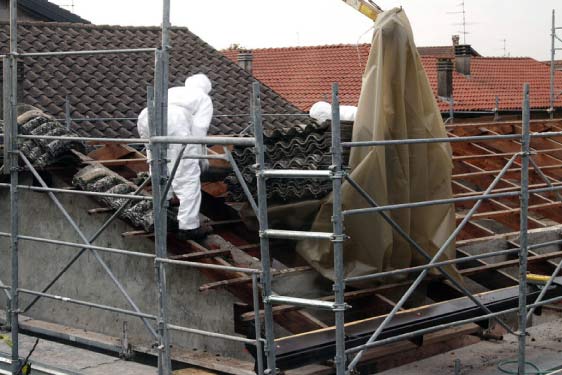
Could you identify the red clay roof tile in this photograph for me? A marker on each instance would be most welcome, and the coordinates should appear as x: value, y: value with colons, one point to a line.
x: 303, y: 76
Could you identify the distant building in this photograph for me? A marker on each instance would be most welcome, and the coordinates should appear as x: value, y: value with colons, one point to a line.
x: 303, y: 75
x: 39, y: 10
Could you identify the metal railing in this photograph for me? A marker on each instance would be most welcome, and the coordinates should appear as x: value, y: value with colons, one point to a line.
x: 338, y: 175
x: 159, y: 324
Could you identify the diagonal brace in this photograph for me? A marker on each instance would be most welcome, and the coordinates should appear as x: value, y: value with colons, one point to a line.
x: 85, y: 240
x: 241, y: 180
x: 103, y: 227
x: 422, y: 252
x: 423, y: 274
x: 544, y: 177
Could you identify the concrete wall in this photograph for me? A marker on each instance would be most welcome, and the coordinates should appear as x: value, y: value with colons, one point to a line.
x: 86, y: 280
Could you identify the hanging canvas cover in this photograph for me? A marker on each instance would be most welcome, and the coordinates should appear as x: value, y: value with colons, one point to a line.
x: 396, y: 103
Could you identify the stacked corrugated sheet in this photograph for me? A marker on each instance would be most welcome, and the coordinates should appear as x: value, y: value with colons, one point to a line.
x: 44, y: 152
x: 99, y: 179
x: 300, y: 147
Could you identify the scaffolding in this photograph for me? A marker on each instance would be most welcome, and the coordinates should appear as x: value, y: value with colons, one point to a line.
x: 346, y: 357
x: 554, y: 37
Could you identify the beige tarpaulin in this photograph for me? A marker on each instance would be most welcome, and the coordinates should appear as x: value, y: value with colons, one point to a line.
x: 396, y: 103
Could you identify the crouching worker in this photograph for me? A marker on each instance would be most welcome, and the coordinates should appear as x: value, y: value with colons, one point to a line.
x: 190, y: 110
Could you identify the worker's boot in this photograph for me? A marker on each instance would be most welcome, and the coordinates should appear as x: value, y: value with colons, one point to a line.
x: 193, y: 234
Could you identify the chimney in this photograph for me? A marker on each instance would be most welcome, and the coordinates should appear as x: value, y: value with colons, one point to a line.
x: 463, y: 55
x: 20, y: 86
x: 245, y: 58
x: 456, y: 40
x: 445, y: 78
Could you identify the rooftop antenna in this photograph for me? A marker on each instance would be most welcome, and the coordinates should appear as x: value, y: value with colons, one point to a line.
x: 505, y: 53
x: 463, y: 23
x: 71, y: 5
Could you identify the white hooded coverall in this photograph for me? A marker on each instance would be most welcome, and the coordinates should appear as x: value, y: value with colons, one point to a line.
x: 190, y: 110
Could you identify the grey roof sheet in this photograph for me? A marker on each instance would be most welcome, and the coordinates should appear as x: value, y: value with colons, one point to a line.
x: 114, y: 86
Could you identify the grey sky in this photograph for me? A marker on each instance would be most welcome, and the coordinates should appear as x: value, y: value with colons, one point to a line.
x: 282, y: 23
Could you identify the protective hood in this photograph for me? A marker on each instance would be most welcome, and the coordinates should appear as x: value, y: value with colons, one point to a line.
x: 199, y: 81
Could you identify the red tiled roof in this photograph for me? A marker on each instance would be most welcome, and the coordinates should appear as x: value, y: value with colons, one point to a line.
x: 303, y: 76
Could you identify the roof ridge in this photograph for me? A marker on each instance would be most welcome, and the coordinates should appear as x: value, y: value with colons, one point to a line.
x: 52, y: 11
x: 77, y: 25
x: 326, y: 46
x: 505, y: 58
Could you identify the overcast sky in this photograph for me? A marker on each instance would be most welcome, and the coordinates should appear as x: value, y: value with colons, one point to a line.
x: 524, y: 24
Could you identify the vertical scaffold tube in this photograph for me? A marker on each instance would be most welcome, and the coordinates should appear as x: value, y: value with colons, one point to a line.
x: 158, y: 164
x: 11, y: 145
x: 338, y: 237
x: 552, y: 65
x: 159, y: 173
x: 263, y: 222
x: 523, y: 236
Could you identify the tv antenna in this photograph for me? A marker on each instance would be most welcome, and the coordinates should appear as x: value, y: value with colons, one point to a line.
x: 505, y: 53
x: 71, y: 5
x: 463, y: 23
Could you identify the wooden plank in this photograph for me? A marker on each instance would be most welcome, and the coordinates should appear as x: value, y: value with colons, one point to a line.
x: 293, y: 321
x: 137, y: 233
x: 490, y: 280
x: 246, y: 279
x: 349, y: 296
x: 400, y: 353
x: 510, y: 263
x: 201, y: 255
x: 193, y: 371
x: 311, y: 370
x: 111, y: 151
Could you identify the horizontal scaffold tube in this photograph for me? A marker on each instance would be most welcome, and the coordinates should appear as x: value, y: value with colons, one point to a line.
x: 441, y: 327
x: 81, y: 246
x: 80, y: 192
x: 480, y: 197
x: 296, y: 235
x: 302, y: 302
x: 212, y: 334
x: 296, y: 173
x: 475, y: 138
x: 236, y: 141
x: 88, y: 304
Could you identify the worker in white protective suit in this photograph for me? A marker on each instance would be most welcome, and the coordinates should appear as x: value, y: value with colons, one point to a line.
x: 190, y: 110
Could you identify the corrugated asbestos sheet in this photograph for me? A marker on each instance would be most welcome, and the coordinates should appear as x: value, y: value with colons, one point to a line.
x: 44, y: 152
x: 306, y: 147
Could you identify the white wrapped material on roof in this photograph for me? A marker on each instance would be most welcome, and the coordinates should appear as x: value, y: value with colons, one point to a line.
x: 322, y: 111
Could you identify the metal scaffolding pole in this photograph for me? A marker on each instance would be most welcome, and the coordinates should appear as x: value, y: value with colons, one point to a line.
x: 263, y: 223
x: 435, y: 258
x: 552, y: 64
x: 11, y: 159
x: 523, y: 237
x: 159, y: 127
x: 338, y: 237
